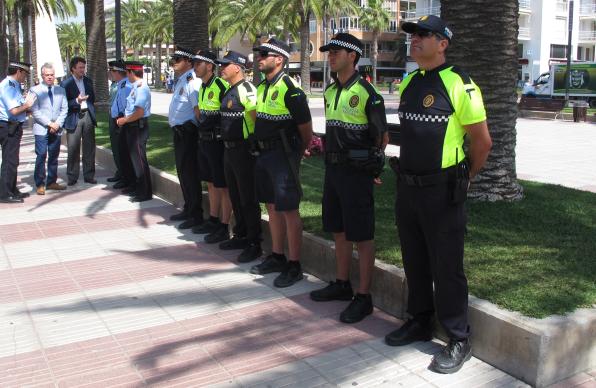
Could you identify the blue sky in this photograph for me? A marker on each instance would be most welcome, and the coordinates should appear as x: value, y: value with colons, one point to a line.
x: 81, y: 13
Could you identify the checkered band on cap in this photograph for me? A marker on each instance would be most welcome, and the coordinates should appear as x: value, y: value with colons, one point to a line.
x: 348, y: 126
x: 182, y: 53
x: 24, y: 66
x: 202, y: 58
x: 276, y: 49
x: 423, y: 117
x: 347, y: 45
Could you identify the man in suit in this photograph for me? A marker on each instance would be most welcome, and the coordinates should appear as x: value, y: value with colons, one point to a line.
x: 80, y: 122
x: 49, y: 112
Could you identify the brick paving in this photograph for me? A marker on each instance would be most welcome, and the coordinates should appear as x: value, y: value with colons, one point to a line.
x: 98, y: 291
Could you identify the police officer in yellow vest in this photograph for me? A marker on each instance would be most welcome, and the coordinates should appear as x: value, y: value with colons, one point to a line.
x: 211, y: 147
x: 355, y: 137
x: 238, y: 114
x: 283, y: 130
x: 439, y: 106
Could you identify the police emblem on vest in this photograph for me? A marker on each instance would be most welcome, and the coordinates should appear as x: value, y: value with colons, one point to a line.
x: 210, y: 95
x: 274, y: 95
x: 354, y: 101
x: 428, y: 101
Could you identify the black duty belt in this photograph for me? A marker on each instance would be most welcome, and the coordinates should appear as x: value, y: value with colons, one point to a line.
x: 233, y: 143
x: 426, y: 180
x: 209, y: 136
x: 270, y: 144
x: 336, y: 157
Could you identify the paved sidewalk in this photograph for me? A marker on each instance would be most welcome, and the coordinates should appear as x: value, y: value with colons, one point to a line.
x: 98, y: 291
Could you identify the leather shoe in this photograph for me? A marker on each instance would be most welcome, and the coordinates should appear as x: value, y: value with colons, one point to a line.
x: 219, y: 235
x: 114, y: 178
x: 360, y: 306
x: 206, y: 227
x: 11, y: 199
x: 452, y: 357
x: 334, y: 291
x: 120, y: 185
x: 189, y: 223
x: 252, y: 252
x: 179, y: 216
x: 91, y: 181
x: 41, y: 190
x: 409, y: 332
x: 136, y: 198
x: 290, y: 275
x: 234, y: 243
x: 55, y: 186
x: 21, y: 195
x: 72, y: 183
x: 270, y: 264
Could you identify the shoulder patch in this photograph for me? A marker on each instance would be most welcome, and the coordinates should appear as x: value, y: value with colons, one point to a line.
x: 12, y: 84
x: 462, y: 74
x: 248, y: 86
x: 123, y: 85
x: 189, y: 77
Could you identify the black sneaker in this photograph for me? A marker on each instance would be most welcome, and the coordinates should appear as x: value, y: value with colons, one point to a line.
x: 409, y: 332
x: 290, y: 275
x: 452, y: 357
x: 270, y: 264
x: 219, y: 235
x: 176, y: 217
x: 234, y: 243
x: 120, y: 185
x: 189, y: 223
x: 206, y: 227
x: 334, y: 291
x: 360, y: 306
x: 252, y: 252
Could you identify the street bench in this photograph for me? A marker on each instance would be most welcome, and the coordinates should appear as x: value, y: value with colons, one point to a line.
x: 541, y: 105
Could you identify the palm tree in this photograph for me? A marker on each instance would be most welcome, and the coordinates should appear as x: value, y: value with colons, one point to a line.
x: 191, y: 22
x: 97, y: 65
x: 3, y: 45
x: 375, y: 17
x: 159, y: 29
x: 72, y: 39
x: 13, y: 32
x: 133, y: 21
x: 489, y: 54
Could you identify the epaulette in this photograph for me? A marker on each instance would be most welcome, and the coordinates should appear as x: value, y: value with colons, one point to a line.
x: 463, y: 75
x: 369, y: 88
x: 220, y: 85
x: 247, y: 85
x: 189, y: 77
x: 289, y: 82
x: 123, y: 85
x: 12, y: 84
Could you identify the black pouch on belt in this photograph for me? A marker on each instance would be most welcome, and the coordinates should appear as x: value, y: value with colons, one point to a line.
x: 460, y: 184
x: 13, y: 127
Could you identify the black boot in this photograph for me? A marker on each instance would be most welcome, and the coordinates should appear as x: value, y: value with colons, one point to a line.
x: 409, y: 332
x: 452, y: 357
x: 339, y: 290
x: 358, y: 309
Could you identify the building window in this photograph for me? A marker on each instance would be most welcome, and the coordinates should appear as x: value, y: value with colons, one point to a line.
x: 558, y: 51
x: 312, y: 25
x: 344, y: 23
x: 561, y: 27
x: 520, y: 50
x: 392, y: 26
x: 366, y: 52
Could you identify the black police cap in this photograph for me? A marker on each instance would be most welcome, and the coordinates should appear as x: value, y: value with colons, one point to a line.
x: 343, y: 41
x: 117, y: 65
x: 181, y: 52
x: 205, y: 56
x: 274, y: 45
x: 233, y: 57
x: 428, y: 23
x: 21, y: 65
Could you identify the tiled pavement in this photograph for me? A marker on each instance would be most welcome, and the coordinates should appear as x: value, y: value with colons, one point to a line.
x: 97, y: 291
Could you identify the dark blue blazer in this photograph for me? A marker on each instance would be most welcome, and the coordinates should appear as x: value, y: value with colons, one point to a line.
x: 72, y: 92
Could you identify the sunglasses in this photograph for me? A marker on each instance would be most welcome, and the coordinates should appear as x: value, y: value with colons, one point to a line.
x: 423, y: 33
x: 265, y: 54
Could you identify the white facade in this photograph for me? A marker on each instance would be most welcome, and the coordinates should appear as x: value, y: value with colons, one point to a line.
x: 543, y: 28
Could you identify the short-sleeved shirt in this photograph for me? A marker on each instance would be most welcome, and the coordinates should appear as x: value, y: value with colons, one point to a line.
x: 354, y: 115
x: 282, y: 106
x: 140, y: 96
x: 435, y: 105
x: 11, y: 96
x: 184, y: 99
x: 119, y: 103
x: 210, y: 97
x: 237, y: 102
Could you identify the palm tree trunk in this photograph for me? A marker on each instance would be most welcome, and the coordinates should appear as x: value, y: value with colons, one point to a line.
x: 479, y: 38
x: 28, y: 19
x: 158, y: 82
x: 304, y: 52
x: 256, y: 74
x: 13, y: 31
x: 375, y: 55
x: 3, y: 45
x: 97, y: 69
x: 191, y: 16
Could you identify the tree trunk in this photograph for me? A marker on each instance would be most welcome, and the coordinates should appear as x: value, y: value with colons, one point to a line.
x: 34, y: 46
x: 28, y: 47
x: 14, y: 53
x: 3, y: 45
x: 479, y: 38
x: 375, y: 55
x: 256, y: 74
x: 97, y: 65
x: 191, y: 21
x: 158, y: 82
x: 304, y: 52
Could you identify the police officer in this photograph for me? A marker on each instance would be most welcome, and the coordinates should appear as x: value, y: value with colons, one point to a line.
x: 355, y: 137
x: 124, y: 175
x: 136, y: 125
x: 238, y: 114
x: 211, y: 148
x: 439, y: 106
x: 184, y: 126
x: 13, y: 112
x: 283, y: 131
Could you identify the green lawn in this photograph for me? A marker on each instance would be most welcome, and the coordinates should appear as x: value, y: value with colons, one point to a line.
x: 536, y: 256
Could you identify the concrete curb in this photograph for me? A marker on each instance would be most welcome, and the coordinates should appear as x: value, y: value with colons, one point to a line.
x: 534, y: 114
x: 538, y: 351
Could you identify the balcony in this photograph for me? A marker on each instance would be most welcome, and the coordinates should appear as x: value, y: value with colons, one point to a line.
x: 407, y: 15
x: 429, y: 11
x: 525, y: 6
x: 587, y: 35
x: 587, y: 10
x: 524, y: 33
x: 561, y: 6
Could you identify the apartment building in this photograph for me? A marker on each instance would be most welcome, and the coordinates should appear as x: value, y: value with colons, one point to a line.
x: 543, y: 32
